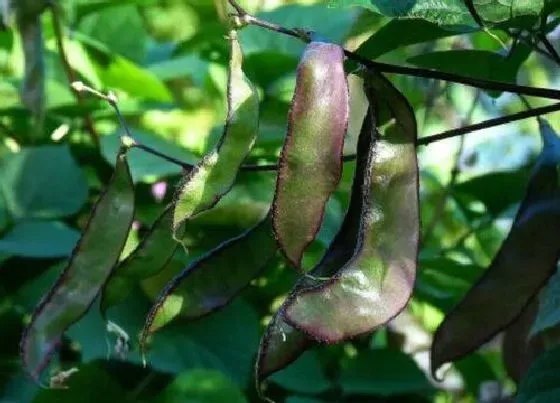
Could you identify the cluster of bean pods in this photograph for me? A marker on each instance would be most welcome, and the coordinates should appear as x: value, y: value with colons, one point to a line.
x: 367, y: 274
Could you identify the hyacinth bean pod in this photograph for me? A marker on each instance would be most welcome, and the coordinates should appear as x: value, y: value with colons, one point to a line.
x: 215, y: 279
x: 90, y: 265
x: 204, y: 185
x: 281, y: 343
x: 376, y: 284
x: 522, y: 266
x: 146, y: 260
x: 311, y: 159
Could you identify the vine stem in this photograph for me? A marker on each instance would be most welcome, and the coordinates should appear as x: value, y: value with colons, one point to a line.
x: 70, y: 74
x: 245, y: 18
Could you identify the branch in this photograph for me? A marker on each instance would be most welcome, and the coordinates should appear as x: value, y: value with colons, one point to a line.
x: 247, y: 19
x: 70, y: 74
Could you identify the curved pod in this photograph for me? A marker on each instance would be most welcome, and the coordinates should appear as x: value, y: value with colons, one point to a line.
x: 376, y: 284
x: 311, y: 160
x: 89, y: 267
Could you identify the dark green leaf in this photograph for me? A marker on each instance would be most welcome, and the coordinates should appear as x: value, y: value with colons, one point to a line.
x: 119, y: 28
x: 398, y: 33
x: 541, y: 384
x: 304, y: 376
x: 549, y: 306
x: 311, y: 160
x: 97, y: 252
x: 479, y: 64
x: 383, y: 373
x: 33, y: 185
x: 39, y: 239
x: 204, y: 386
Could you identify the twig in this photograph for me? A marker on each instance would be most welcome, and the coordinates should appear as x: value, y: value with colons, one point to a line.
x: 246, y: 18
x: 70, y: 74
x: 490, y: 123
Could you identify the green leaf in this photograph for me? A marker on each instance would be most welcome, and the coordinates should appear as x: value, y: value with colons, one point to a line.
x: 522, y: 266
x: 185, y: 66
x: 121, y: 73
x: 447, y: 13
x: 304, y: 376
x: 383, y: 373
x: 42, y: 182
x: 39, y: 239
x: 334, y: 24
x: 143, y: 166
x: 549, y: 306
x: 479, y: 64
x: 90, y: 264
x: 121, y: 29
x: 489, y: 189
x: 450, y: 13
x: 90, y: 384
x: 205, y: 386
x: 541, y: 384
x: 310, y: 165
x: 224, y: 341
x: 400, y: 33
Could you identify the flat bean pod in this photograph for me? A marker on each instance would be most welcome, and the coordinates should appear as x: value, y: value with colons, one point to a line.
x: 376, y: 284
x: 214, y: 175
x: 146, y: 260
x: 311, y: 160
x: 281, y: 343
x: 522, y: 266
x: 215, y: 279
x: 91, y: 263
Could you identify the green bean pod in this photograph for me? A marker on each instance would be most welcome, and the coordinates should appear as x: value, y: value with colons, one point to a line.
x: 146, y: 260
x: 215, y: 174
x: 92, y: 260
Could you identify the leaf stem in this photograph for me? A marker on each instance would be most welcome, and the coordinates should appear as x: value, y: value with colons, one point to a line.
x: 70, y: 74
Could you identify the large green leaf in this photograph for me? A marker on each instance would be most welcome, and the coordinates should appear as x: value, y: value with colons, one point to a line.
x: 304, y: 376
x: 479, y: 64
x: 399, y: 33
x: 384, y: 373
x: 541, y: 384
x: 452, y: 13
x: 39, y: 239
x: 121, y: 29
x: 224, y: 341
x: 204, y: 386
x: 332, y: 23
x: 42, y: 182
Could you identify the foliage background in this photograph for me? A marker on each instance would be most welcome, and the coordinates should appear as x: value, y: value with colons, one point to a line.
x: 166, y: 60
